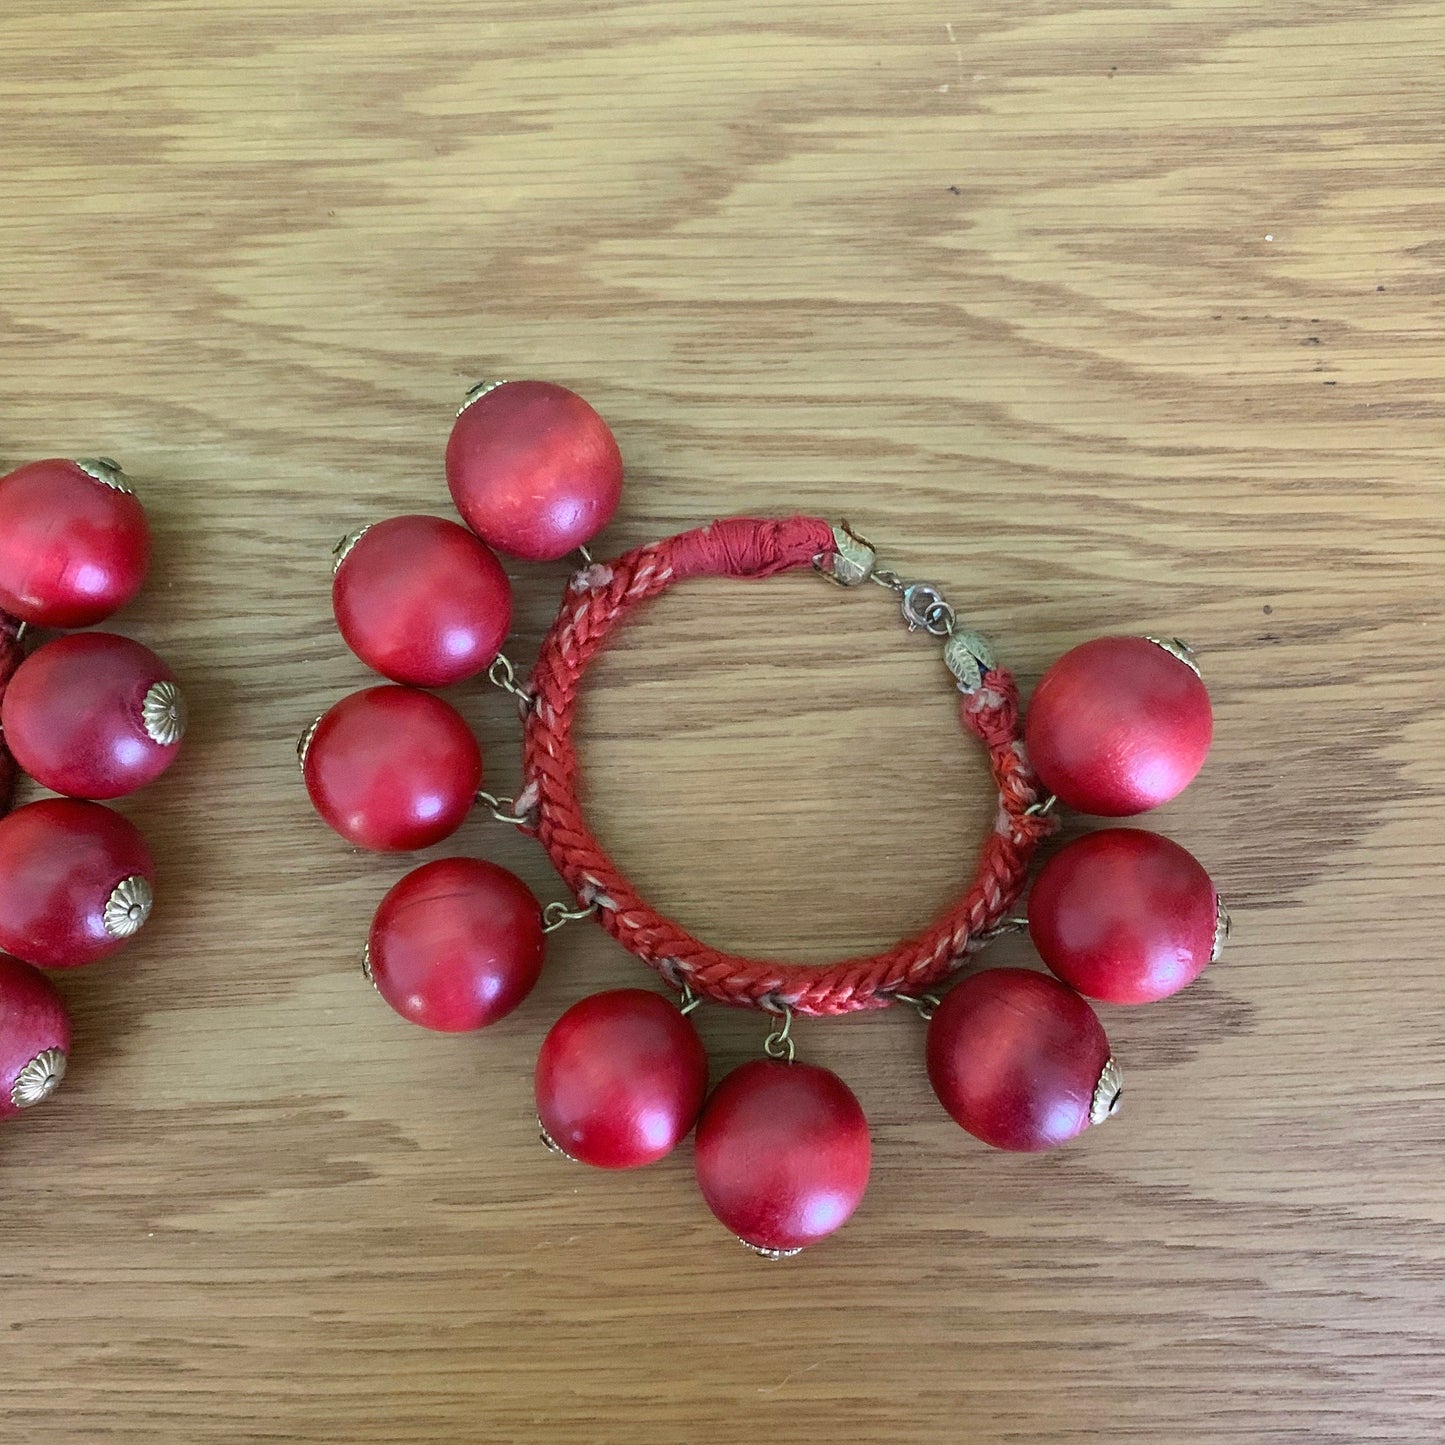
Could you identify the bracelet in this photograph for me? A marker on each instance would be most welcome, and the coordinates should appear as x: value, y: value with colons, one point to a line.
x: 782, y: 1152
x: 602, y: 596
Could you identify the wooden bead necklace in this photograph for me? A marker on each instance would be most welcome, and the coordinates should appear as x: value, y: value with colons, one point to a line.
x: 1017, y: 1057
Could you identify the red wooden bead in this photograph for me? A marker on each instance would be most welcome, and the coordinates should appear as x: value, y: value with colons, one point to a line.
x: 1124, y: 915
x: 782, y: 1154
x: 75, y: 882
x: 391, y: 768
x: 34, y: 1037
x: 533, y: 469
x: 1118, y: 725
x: 456, y: 944
x: 620, y: 1079
x: 74, y: 546
x: 421, y: 600
x: 1020, y: 1061
x: 93, y: 715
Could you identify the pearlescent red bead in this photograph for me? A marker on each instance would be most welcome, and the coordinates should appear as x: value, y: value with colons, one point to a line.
x: 456, y: 944
x: 75, y: 882
x: 1124, y: 915
x: 392, y: 769
x: 422, y: 601
x: 782, y: 1154
x: 93, y: 715
x: 533, y: 469
x: 620, y: 1079
x: 1117, y: 726
x: 1017, y: 1059
x: 34, y: 1037
x: 73, y: 548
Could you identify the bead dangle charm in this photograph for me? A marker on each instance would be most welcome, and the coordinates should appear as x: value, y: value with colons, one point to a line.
x: 1017, y: 1057
x: 89, y: 715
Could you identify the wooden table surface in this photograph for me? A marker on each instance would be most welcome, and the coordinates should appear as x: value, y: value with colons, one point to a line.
x: 1103, y: 316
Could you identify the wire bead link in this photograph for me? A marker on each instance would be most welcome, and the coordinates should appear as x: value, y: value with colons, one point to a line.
x: 503, y: 809
x: 779, y: 1043
x: 558, y: 914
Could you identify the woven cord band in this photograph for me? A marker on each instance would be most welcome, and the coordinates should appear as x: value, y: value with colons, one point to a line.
x: 597, y: 599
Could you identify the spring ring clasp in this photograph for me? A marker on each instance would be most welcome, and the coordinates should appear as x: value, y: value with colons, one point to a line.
x: 924, y: 606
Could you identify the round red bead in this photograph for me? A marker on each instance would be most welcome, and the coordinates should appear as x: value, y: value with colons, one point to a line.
x: 620, y: 1079
x: 782, y: 1154
x: 1118, y: 725
x: 422, y: 601
x: 73, y: 547
x: 34, y: 1037
x: 533, y: 469
x: 93, y: 715
x: 392, y: 769
x: 1124, y: 915
x: 456, y: 944
x: 1017, y: 1059
x: 75, y: 882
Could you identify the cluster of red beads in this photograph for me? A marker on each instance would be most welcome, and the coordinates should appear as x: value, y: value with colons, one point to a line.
x: 424, y: 601
x: 89, y: 715
x: 458, y: 943
x: 1116, y: 726
x: 782, y: 1153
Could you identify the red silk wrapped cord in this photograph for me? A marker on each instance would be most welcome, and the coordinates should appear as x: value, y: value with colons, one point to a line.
x: 597, y: 599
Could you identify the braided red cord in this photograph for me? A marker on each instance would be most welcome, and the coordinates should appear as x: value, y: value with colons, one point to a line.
x: 11, y: 657
x: 596, y: 600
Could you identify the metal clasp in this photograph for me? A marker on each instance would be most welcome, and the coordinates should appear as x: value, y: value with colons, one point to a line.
x: 925, y: 606
x: 853, y: 560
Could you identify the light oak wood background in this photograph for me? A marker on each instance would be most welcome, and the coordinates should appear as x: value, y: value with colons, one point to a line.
x: 1104, y: 316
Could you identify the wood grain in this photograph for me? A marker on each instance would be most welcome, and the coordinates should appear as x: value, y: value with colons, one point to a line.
x: 1104, y: 316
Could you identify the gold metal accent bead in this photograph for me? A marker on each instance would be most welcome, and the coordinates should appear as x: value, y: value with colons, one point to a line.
x: 1108, y: 1093
x: 303, y: 743
x: 478, y: 392
x: 106, y: 472
x: 968, y: 656
x: 39, y: 1079
x: 342, y: 550
x: 1177, y: 647
x: 763, y: 1252
x: 127, y: 909
x: 1223, y: 927
x: 163, y: 711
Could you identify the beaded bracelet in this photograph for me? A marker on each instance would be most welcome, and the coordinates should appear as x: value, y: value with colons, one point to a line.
x: 89, y: 715
x: 782, y: 1153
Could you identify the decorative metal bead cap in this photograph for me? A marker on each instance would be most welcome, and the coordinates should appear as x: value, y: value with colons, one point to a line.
x: 968, y: 656
x: 852, y: 560
x: 763, y: 1252
x: 39, y: 1079
x: 478, y: 392
x: 303, y: 743
x: 127, y: 909
x: 106, y: 472
x: 342, y: 550
x: 1176, y: 647
x: 1108, y: 1093
x: 163, y: 711
x: 1223, y: 926
x: 551, y: 1145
